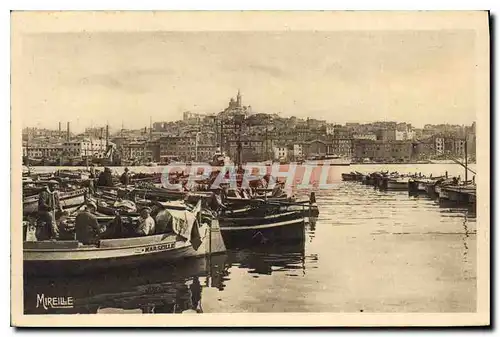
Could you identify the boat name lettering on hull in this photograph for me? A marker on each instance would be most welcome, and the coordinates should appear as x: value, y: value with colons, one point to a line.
x: 157, y: 248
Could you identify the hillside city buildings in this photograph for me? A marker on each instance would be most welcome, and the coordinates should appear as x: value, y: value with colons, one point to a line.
x: 260, y: 136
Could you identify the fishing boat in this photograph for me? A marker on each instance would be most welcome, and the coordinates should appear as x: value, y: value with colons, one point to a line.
x: 268, y: 229
x: 73, y: 174
x: 352, y: 176
x: 161, y: 194
x: 458, y: 194
x: 424, y: 185
x: 262, y: 204
x: 397, y: 184
x: 190, y: 238
x: 68, y: 199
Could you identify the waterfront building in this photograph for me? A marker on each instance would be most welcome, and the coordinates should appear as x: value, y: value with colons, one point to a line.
x: 280, y: 151
x: 39, y: 151
x: 342, y: 147
x: 297, y: 151
x: 134, y: 150
x: 86, y: 147
x: 439, y: 145
x: 424, y: 148
x: 182, y: 148
x: 459, y: 147
x: 252, y: 149
x: 383, y: 151
x: 316, y: 147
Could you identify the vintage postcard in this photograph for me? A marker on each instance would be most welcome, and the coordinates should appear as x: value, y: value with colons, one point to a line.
x: 250, y: 168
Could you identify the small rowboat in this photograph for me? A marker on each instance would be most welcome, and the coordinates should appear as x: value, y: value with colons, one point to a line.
x: 68, y: 200
x: 353, y: 176
x: 71, y: 257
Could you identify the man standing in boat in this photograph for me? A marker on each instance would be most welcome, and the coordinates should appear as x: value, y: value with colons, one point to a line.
x: 216, y: 203
x: 48, y: 204
x: 105, y: 178
x: 125, y: 177
x: 87, y: 228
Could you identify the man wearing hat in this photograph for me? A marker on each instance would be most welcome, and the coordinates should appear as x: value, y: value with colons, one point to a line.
x: 146, y: 223
x: 216, y: 203
x: 125, y: 177
x: 48, y: 204
x: 105, y: 178
x: 87, y: 229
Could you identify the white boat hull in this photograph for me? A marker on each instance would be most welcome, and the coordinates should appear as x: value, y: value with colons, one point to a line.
x: 71, y: 257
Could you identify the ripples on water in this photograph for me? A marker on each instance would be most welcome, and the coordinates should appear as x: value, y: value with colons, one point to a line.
x: 368, y: 251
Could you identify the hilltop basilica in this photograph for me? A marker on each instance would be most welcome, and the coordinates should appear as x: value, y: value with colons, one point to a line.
x: 235, y: 107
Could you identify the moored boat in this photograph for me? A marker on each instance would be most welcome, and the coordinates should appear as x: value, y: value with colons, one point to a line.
x: 458, y: 194
x: 72, y: 257
x: 68, y: 200
x: 397, y: 184
x: 271, y: 229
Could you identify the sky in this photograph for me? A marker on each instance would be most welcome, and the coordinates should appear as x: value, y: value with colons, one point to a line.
x: 94, y: 78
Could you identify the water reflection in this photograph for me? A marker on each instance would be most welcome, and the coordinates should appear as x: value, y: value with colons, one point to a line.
x: 265, y: 261
x: 166, y: 289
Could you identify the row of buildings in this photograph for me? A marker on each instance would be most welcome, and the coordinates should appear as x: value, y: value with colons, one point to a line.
x: 258, y: 136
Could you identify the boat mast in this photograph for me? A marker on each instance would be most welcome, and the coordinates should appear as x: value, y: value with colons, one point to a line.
x: 266, y: 156
x: 221, y: 135
x: 466, y: 169
x: 150, y: 128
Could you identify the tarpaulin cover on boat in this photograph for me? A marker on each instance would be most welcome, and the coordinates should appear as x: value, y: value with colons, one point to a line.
x: 183, y: 223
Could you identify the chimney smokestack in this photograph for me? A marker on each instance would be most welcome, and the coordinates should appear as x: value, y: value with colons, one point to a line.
x: 59, y: 129
x: 67, y: 135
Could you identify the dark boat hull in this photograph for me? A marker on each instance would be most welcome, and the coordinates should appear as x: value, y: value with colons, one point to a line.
x: 288, y: 228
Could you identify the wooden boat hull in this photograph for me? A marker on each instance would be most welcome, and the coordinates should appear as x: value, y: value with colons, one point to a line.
x: 349, y: 177
x: 397, y: 185
x: 269, y: 230
x: 68, y: 201
x: 67, y: 257
x: 416, y: 187
x: 457, y: 195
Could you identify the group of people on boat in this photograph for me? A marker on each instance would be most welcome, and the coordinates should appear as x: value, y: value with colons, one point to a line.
x: 89, y: 231
x: 87, y: 228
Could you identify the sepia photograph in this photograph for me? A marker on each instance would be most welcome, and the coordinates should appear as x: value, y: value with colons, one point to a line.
x: 250, y: 168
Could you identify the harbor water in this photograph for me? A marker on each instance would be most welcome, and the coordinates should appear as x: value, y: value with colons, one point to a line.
x: 368, y: 251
